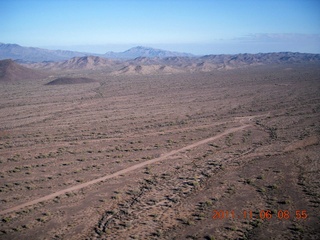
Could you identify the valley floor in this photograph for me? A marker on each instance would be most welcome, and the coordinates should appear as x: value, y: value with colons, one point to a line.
x: 230, y: 154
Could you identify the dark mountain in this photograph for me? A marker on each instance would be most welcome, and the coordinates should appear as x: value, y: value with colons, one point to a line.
x: 11, y: 71
x: 140, y: 51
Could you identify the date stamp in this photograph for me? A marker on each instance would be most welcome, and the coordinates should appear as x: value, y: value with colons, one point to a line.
x: 261, y: 214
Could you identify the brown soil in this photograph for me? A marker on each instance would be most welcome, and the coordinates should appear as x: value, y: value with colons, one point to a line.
x: 153, y: 157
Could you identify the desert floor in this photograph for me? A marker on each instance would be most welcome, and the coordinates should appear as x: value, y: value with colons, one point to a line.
x: 229, y: 154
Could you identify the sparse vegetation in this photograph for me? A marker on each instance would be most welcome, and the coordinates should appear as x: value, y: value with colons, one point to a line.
x: 173, y: 148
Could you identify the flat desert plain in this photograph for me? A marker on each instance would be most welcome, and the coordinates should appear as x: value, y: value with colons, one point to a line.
x: 227, y: 154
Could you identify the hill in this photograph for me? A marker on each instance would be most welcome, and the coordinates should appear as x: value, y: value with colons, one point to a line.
x: 146, y: 70
x: 68, y: 80
x: 86, y: 62
x: 11, y: 71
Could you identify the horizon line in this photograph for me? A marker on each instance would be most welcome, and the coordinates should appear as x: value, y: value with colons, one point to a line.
x: 89, y: 53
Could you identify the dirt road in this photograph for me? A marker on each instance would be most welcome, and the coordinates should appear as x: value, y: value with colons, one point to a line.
x: 121, y: 172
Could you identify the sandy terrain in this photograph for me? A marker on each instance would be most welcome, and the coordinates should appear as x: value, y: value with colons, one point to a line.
x: 230, y: 154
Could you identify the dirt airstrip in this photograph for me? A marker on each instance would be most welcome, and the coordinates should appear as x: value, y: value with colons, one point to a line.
x: 227, y: 154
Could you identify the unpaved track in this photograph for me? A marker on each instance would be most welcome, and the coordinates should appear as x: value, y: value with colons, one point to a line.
x: 123, y: 171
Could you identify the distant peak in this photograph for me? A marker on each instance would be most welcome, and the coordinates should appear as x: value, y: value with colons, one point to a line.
x: 140, y: 48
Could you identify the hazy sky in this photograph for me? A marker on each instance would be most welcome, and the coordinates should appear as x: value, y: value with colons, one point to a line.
x: 199, y: 26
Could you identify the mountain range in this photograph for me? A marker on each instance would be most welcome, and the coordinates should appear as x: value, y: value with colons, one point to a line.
x: 44, y: 58
x: 25, y: 63
x: 145, y: 65
x: 31, y: 54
